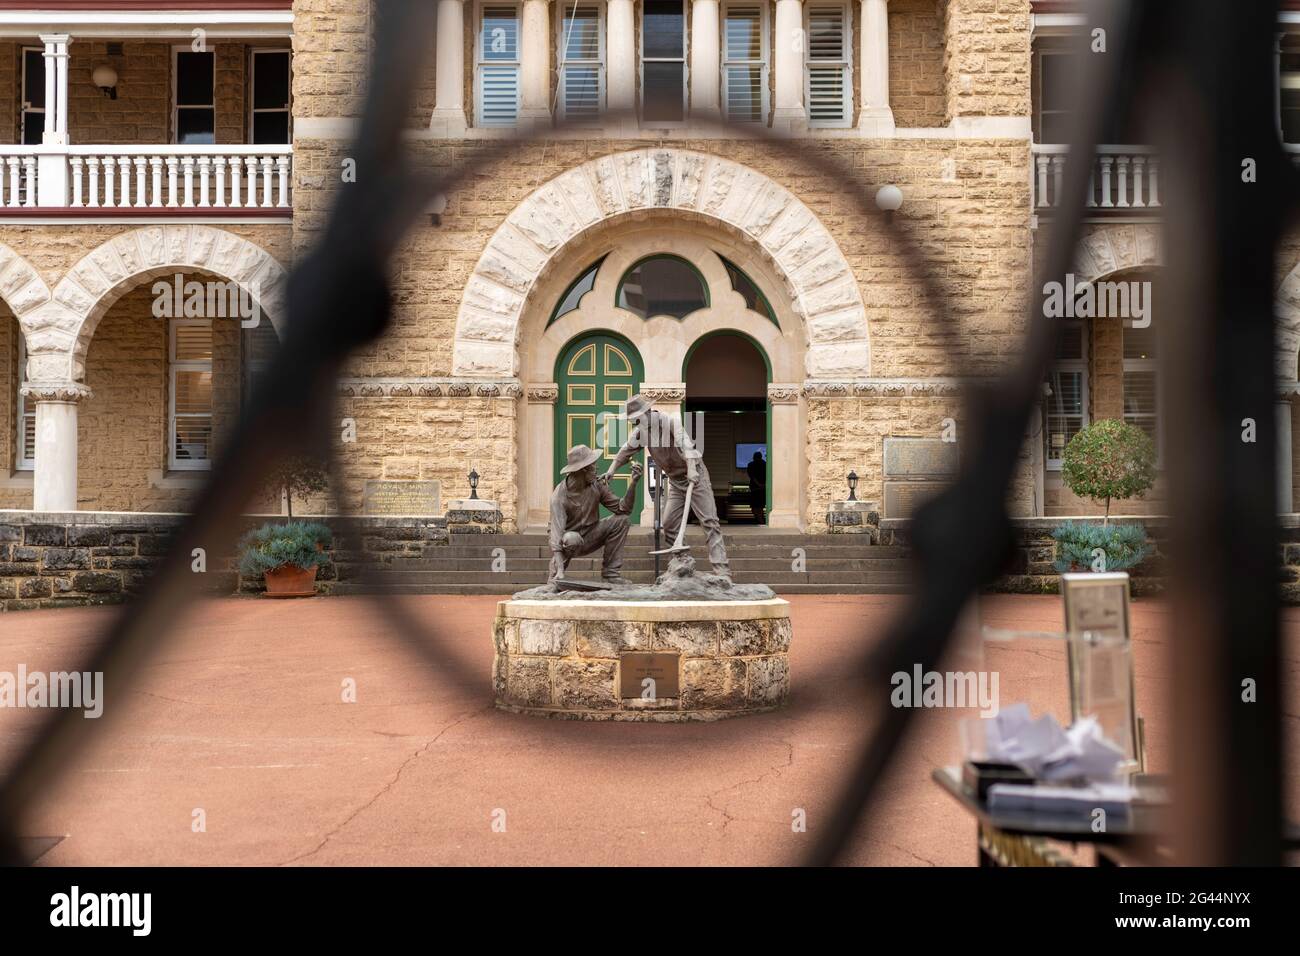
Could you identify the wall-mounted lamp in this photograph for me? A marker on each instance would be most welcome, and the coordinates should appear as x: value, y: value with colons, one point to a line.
x: 105, y: 77
x: 888, y: 200
x: 437, y: 206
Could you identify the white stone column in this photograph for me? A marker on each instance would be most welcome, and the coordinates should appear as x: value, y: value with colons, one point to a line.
x: 449, y: 89
x: 876, y: 118
x: 539, y: 452
x: 785, y: 456
x: 620, y: 57
x: 56, y: 87
x: 787, y: 61
x: 52, y: 167
x: 55, y: 484
x: 535, y: 63
x: 706, y: 51
x: 1282, y: 415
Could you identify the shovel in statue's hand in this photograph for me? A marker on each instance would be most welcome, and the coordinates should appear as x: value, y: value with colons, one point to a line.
x: 681, y: 544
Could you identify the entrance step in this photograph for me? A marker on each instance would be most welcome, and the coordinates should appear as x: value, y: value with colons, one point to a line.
x: 827, y: 564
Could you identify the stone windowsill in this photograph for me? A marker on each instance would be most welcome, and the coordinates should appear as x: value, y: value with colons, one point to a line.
x: 18, y: 480
x: 177, y: 480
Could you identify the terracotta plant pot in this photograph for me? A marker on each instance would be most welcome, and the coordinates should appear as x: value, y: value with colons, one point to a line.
x: 290, y: 581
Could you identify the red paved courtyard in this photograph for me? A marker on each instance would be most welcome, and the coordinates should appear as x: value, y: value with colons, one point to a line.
x: 241, y: 715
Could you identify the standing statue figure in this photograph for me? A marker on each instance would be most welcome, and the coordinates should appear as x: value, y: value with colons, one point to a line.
x: 576, y: 527
x: 665, y: 440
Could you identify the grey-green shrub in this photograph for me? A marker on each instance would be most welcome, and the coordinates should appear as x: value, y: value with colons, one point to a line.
x: 1125, y: 545
x: 277, y: 545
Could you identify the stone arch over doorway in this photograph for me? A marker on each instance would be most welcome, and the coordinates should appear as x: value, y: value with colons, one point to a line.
x: 663, y: 341
x: 812, y: 270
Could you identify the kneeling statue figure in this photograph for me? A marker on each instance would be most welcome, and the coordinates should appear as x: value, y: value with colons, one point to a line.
x: 576, y: 527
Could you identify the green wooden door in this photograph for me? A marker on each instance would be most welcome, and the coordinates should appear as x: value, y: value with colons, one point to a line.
x: 597, y: 374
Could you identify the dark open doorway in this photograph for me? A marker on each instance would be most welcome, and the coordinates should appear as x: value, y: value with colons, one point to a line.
x: 726, y: 406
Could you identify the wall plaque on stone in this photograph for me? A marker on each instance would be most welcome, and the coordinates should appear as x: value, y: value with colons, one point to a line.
x: 903, y: 498
x: 634, y: 668
x: 393, y: 497
x: 916, y: 469
x: 925, y: 458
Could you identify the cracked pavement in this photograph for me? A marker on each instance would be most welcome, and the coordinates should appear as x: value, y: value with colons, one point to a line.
x: 241, y: 715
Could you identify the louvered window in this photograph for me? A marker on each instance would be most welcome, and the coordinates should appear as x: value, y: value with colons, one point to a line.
x: 829, y: 90
x: 582, y: 61
x: 1141, y: 381
x: 190, y: 400
x: 498, y: 66
x: 25, y: 459
x: 1067, y: 406
x: 744, y: 63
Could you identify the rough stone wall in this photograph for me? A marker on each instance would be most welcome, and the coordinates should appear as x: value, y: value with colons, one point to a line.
x: 916, y: 78
x: 432, y: 438
x: 987, y: 57
x: 331, y: 51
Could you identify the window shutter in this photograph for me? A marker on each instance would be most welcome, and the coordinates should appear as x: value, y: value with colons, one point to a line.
x: 581, y: 76
x: 498, y: 88
x: 29, y: 436
x: 828, y: 81
x: 1140, y: 400
x: 743, y: 63
x: 191, y: 399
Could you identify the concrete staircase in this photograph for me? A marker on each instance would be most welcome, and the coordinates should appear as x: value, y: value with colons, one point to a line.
x: 832, y: 564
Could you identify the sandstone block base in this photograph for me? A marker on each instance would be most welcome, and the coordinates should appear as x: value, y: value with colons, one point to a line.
x: 579, y: 660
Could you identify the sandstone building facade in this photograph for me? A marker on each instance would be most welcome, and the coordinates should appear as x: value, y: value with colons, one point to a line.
x: 735, y: 279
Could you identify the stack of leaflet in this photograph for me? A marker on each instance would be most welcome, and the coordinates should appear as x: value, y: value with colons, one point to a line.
x: 1114, y: 798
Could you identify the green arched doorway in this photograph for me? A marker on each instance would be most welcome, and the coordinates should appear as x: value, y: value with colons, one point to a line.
x: 596, y: 373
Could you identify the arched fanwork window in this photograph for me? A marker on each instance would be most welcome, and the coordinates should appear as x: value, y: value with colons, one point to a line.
x: 755, y: 301
x: 662, y: 285
x: 576, y: 290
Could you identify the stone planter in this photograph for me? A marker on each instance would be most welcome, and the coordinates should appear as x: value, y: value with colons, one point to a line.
x: 647, y: 661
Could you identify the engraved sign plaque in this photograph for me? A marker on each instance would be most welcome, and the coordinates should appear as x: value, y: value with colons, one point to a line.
x: 421, y: 498
x: 634, y: 667
x: 930, y: 458
x: 902, y: 498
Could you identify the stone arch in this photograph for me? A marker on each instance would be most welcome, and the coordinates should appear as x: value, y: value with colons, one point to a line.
x: 819, y: 280
x: 1108, y: 249
x: 61, y: 330
x: 27, y: 295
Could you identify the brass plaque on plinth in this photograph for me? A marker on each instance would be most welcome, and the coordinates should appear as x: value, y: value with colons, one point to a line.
x: 635, y: 667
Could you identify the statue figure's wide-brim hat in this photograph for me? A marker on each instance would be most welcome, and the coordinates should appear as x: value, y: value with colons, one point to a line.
x: 638, y: 406
x: 580, y: 456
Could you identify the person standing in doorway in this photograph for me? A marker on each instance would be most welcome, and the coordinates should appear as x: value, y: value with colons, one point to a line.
x: 666, y: 442
x: 757, y: 469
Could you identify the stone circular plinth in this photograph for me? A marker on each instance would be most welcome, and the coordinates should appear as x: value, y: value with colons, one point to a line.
x: 641, y: 660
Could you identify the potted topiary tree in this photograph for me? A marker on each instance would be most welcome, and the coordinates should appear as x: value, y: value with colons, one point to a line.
x: 287, y: 556
x: 297, y: 475
x: 1110, y: 460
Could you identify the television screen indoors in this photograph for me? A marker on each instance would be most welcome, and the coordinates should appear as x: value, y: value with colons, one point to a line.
x: 745, y: 453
